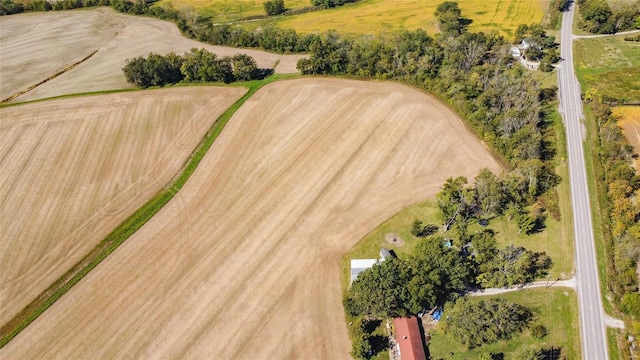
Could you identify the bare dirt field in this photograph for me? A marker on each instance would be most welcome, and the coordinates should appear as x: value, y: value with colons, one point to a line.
x: 35, y: 46
x: 630, y: 123
x: 73, y: 169
x: 243, y: 263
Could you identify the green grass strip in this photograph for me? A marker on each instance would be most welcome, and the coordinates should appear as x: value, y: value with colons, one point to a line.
x: 128, y: 226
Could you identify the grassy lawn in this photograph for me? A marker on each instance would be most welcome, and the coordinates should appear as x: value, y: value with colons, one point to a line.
x: 610, y: 65
x: 556, y: 309
x: 555, y: 239
x: 377, y: 16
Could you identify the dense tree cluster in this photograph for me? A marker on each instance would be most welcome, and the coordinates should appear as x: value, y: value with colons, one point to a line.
x: 510, y: 194
x: 475, y: 322
x: 622, y: 186
x: 198, y: 65
x: 598, y: 17
x: 274, y: 7
x: 395, y: 287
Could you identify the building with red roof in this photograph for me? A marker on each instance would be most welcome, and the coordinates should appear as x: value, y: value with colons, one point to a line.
x: 409, y: 338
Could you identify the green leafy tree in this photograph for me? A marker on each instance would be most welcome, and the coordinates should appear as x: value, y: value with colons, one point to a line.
x: 491, y: 196
x: 477, y: 322
x: 449, y: 14
x: 274, y: 7
x: 380, y: 290
x: 539, y: 332
x: 513, y: 266
x: 454, y: 201
x: 244, y: 67
x: 526, y: 353
x: 435, y: 274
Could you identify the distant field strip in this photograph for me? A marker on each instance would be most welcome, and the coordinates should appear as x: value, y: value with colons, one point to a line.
x: 243, y: 262
x: 376, y: 16
x: 35, y: 46
x: 73, y: 169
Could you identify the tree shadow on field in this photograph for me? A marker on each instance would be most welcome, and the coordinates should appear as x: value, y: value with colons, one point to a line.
x: 262, y: 74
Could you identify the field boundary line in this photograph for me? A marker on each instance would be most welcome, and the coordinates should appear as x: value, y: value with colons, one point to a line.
x: 130, y: 225
x: 68, y: 68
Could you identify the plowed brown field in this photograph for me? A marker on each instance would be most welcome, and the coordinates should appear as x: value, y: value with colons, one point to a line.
x: 244, y: 262
x: 35, y: 46
x: 73, y: 169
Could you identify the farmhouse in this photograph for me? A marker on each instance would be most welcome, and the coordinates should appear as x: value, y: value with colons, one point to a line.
x: 408, y: 338
x: 515, y: 52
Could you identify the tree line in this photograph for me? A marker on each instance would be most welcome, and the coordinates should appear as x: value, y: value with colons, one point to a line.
x: 619, y: 191
x: 197, y: 65
x: 597, y: 16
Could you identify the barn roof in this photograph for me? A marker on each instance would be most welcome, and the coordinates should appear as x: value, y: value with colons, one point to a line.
x: 408, y: 337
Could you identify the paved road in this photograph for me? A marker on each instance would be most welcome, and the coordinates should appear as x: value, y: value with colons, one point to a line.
x: 592, y: 325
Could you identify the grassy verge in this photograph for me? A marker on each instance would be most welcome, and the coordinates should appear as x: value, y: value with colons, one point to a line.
x: 129, y: 226
x: 555, y: 309
x: 597, y: 199
x: 612, y: 341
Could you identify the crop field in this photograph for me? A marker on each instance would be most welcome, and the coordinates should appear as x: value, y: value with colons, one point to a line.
x: 379, y: 16
x: 74, y: 168
x: 35, y: 46
x: 630, y: 124
x: 611, y: 66
x: 244, y: 261
x: 229, y: 10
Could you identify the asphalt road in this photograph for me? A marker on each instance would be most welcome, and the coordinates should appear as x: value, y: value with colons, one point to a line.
x: 592, y: 325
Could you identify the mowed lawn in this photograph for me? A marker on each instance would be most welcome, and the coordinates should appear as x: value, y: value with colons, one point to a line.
x: 378, y: 16
x: 611, y: 66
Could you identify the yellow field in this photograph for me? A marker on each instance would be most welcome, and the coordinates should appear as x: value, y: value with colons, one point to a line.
x: 221, y: 10
x: 376, y: 16
x: 630, y: 124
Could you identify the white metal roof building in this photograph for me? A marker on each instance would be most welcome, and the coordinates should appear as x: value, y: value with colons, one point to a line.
x: 360, y: 265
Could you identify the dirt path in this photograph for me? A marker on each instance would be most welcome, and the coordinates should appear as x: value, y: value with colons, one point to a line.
x: 243, y: 262
x: 571, y: 283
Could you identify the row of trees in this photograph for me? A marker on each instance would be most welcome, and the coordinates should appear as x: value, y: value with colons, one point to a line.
x: 435, y: 274
x: 475, y: 73
x: 621, y: 185
x: 198, y: 65
x: 596, y: 16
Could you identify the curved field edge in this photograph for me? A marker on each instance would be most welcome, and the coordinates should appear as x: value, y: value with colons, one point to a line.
x: 129, y: 226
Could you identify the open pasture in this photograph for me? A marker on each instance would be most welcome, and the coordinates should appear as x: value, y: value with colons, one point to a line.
x: 378, y: 16
x: 229, y: 10
x: 73, y: 169
x: 35, y: 46
x: 243, y: 263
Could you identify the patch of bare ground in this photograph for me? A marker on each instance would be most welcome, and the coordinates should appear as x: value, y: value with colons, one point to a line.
x: 35, y: 46
x: 243, y: 263
x: 73, y: 169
